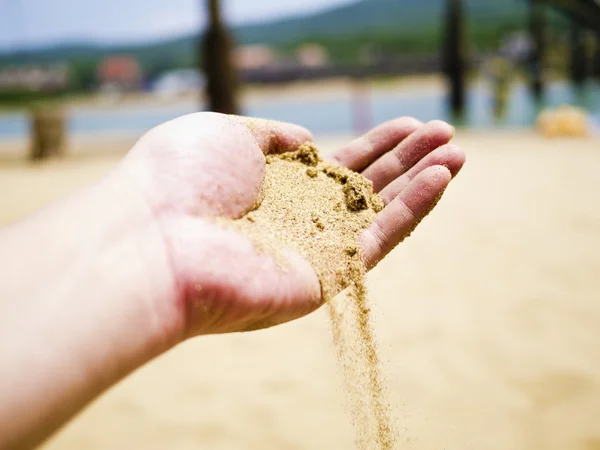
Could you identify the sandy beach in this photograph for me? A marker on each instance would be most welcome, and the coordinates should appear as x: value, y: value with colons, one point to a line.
x: 488, y: 321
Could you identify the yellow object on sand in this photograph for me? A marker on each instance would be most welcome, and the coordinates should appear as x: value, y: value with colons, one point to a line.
x: 566, y: 120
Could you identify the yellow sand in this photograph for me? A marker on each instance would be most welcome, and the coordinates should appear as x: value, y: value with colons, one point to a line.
x: 488, y: 319
x: 318, y: 209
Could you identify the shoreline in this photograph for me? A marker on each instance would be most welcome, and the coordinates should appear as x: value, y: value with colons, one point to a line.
x: 304, y: 91
x: 300, y: 91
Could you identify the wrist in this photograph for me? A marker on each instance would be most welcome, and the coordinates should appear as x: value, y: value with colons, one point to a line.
x: 137, y: 245
x: 96, y: 294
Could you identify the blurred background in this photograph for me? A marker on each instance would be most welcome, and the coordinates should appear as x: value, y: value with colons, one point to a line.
x: 488, y: 318
x: 334, y: 66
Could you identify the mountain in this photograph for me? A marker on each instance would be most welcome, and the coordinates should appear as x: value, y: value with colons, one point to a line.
x: 369, y: 15
x: 395, y: 26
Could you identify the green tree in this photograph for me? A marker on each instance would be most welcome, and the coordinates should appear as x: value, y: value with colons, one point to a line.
x: 82, y: 74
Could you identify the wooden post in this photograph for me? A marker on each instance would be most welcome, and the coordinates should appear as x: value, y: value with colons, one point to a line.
x: 48, y: 134
x: 454, y: 58
x: 537, y: 28
x: 596, y: 58
x: 578, y: 60
x: 221, y: 79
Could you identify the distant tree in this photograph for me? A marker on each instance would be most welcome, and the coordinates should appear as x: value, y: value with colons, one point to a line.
x: 82, y: 75
x: 216, y: 48
x: 454, y: 54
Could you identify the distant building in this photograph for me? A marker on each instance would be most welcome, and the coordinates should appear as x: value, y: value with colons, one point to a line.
x: 178, y: 82
x: 119, y: 73
x: 251, y: 57
x: 312, y: 55
x: 34, y: 78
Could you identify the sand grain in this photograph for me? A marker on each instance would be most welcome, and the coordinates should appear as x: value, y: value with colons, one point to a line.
x: 319, y: 209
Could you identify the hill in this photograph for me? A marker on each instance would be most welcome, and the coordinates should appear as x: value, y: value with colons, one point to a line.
x: 390, y: 26
x: 377, y: 15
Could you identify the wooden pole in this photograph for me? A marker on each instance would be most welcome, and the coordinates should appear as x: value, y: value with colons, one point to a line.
x: 578, y: 60
x: 537, y: 26
x: 596, y: 59
x: 221, y: 78
x: 454, y: 58
x: 586, y: 12
x: 48, y: 133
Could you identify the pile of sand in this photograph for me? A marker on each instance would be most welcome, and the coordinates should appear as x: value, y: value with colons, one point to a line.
x: 319, y: 209
x: 563, y: 121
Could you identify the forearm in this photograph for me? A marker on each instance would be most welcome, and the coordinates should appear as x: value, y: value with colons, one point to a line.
x: 82, y: 304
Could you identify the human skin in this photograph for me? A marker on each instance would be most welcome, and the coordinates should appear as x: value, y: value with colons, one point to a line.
x: 99, y: 284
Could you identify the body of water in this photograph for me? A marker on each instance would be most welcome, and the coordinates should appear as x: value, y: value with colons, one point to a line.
x: 334, y: 115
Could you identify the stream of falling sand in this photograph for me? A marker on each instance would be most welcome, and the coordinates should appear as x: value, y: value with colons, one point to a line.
x: 318, y: 209
x: 357, y: 352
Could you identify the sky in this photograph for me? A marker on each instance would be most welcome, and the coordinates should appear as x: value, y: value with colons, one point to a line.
x: 25, y: 23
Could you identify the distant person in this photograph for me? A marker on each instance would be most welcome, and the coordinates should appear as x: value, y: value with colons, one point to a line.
x: 99, y: 284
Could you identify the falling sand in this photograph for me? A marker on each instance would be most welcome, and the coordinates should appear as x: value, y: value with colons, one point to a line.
x: 319, y: 209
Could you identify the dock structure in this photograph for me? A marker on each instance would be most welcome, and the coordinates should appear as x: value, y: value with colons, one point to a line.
x: 583, y: 14
x: 222, y: 79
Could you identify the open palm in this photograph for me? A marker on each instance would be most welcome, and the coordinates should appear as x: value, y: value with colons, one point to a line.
x: 205, y: 166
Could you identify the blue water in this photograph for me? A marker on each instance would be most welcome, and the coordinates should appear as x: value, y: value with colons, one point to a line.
x: 333, y: 116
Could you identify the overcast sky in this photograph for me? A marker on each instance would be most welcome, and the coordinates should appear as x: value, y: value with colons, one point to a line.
x: 27, y: 22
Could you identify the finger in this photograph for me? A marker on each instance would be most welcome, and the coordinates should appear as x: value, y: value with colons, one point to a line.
x: 276, y: 137
x: 450, y: 156
x: 362, y: 152
x: 396, y: 162
x: 403, y: 214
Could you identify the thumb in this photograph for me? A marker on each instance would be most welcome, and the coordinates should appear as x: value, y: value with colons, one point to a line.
x: 276, y: 137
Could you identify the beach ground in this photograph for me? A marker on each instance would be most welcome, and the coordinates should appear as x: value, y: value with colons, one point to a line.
x: 488, y: 321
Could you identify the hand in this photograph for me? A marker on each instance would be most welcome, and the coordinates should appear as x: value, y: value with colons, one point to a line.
x: 410, y: 165
x: 203, y: 166
x: 133, y: 265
